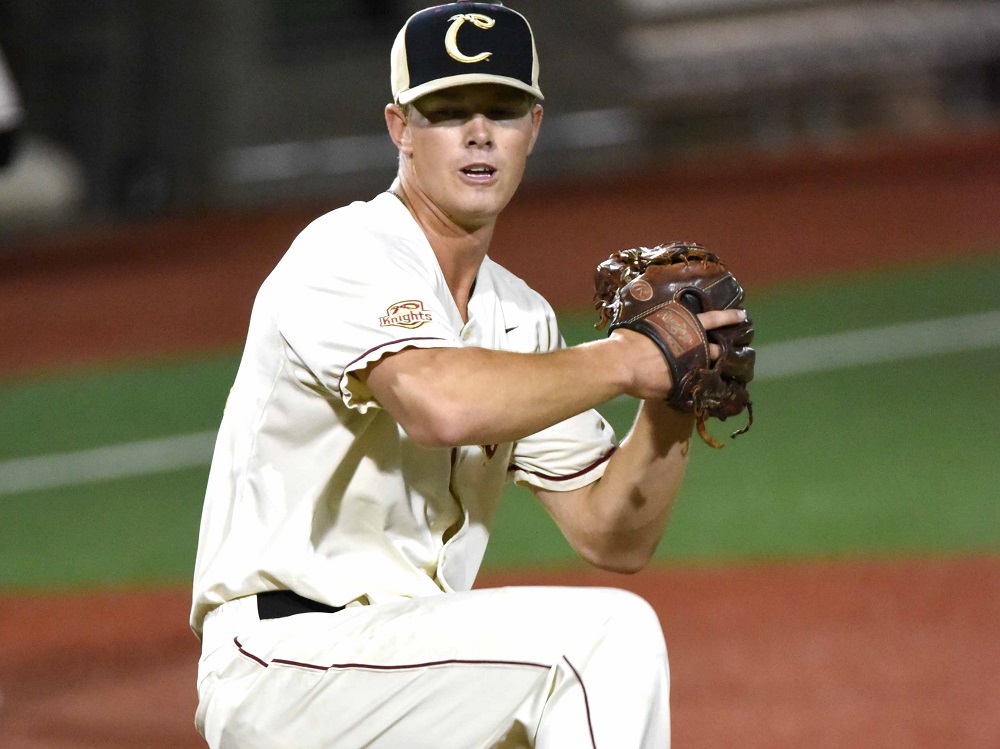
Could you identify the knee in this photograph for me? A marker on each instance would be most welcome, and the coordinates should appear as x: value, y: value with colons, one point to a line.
x: 629, y: 621
x: 639, y: 621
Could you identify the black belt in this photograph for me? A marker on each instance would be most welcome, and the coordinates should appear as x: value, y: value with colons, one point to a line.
x: 276, y: 604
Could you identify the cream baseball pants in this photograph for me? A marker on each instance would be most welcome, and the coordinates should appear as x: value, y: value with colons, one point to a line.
x: 545, y: 667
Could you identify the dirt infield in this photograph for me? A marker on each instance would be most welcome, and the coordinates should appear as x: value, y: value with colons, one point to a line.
x: 856, y: 654
x: 859, y: 654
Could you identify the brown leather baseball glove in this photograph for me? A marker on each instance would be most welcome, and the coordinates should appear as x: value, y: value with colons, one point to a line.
x: 659, y: 292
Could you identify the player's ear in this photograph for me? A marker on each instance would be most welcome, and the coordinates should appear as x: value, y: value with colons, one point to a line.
x: 536, y: 124
x: 396, y: 123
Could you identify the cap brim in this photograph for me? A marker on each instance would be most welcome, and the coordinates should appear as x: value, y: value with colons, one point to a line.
x: 439, y: 84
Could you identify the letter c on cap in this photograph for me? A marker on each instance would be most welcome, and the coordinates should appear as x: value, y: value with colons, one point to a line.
x: 451, y: 38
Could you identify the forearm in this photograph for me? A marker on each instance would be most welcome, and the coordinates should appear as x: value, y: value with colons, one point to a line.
x: 617, y: 522
x: 449, y: 396
x: 643, y: 478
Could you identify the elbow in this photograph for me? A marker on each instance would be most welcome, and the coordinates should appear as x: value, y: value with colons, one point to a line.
x: 623, y: 560
x: 436, y: 428
x: 622, y: 565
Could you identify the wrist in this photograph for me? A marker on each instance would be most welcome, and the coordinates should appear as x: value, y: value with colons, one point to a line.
x: 620, y: 361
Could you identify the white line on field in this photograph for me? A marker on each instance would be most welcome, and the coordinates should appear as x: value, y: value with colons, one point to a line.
x: 878, y: 345
x: 106, y: 463
x: 793, y: 358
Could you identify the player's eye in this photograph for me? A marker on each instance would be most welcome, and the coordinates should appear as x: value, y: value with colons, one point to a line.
x: 446, y: 114
x: 503, y: 113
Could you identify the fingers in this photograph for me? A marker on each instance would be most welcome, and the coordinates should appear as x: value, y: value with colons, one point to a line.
x: 721, y: 318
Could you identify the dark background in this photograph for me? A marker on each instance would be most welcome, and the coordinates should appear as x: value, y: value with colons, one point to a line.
x: 146, y: 109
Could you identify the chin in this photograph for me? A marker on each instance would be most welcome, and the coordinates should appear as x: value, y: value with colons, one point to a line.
x: 480, y: 211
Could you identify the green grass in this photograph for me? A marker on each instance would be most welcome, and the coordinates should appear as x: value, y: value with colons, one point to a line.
x: 870, y: 461
x: 878, y: 460
x: 128, y: 532
x: 60, y: 412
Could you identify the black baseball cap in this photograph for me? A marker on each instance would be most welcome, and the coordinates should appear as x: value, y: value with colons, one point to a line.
x: 462, y: 43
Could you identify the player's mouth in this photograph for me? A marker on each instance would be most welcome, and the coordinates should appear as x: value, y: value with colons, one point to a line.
x: 479, y: 172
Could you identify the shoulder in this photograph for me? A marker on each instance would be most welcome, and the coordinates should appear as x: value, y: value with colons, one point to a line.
x: 357, y: 220
x: 364, y: 234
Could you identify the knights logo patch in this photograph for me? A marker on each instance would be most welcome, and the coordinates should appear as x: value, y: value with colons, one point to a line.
x: 406, y: 314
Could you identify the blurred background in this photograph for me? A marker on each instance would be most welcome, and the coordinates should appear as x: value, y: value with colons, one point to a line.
x: 828, y: 580
x: 147, y: 108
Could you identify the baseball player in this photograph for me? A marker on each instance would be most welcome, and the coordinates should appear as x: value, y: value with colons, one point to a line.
x: 394, y: 378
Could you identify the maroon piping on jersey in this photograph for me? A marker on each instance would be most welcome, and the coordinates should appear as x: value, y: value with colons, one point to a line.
x: 448, y: 662
x: 390, y: 343
x: 603, y: 459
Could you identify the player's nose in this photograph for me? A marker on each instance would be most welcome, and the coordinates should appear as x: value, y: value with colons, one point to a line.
x: 479, y: 131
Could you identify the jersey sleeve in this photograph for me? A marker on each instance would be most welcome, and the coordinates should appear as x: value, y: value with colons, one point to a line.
x: 340, y: 314
x: 566, y: 456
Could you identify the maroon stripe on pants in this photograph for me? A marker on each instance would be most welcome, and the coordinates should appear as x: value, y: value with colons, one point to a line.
x: 427, y: 664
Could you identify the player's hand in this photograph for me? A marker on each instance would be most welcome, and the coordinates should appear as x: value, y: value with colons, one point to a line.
x: 649, y: 371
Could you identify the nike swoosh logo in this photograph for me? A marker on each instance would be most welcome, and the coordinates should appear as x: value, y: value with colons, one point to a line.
x: 507, y: 330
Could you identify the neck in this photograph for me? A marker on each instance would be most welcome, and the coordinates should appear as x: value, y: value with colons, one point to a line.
x: 460, y: 250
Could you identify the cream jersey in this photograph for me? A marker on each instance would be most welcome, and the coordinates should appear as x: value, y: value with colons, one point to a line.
x: 313, y: 486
